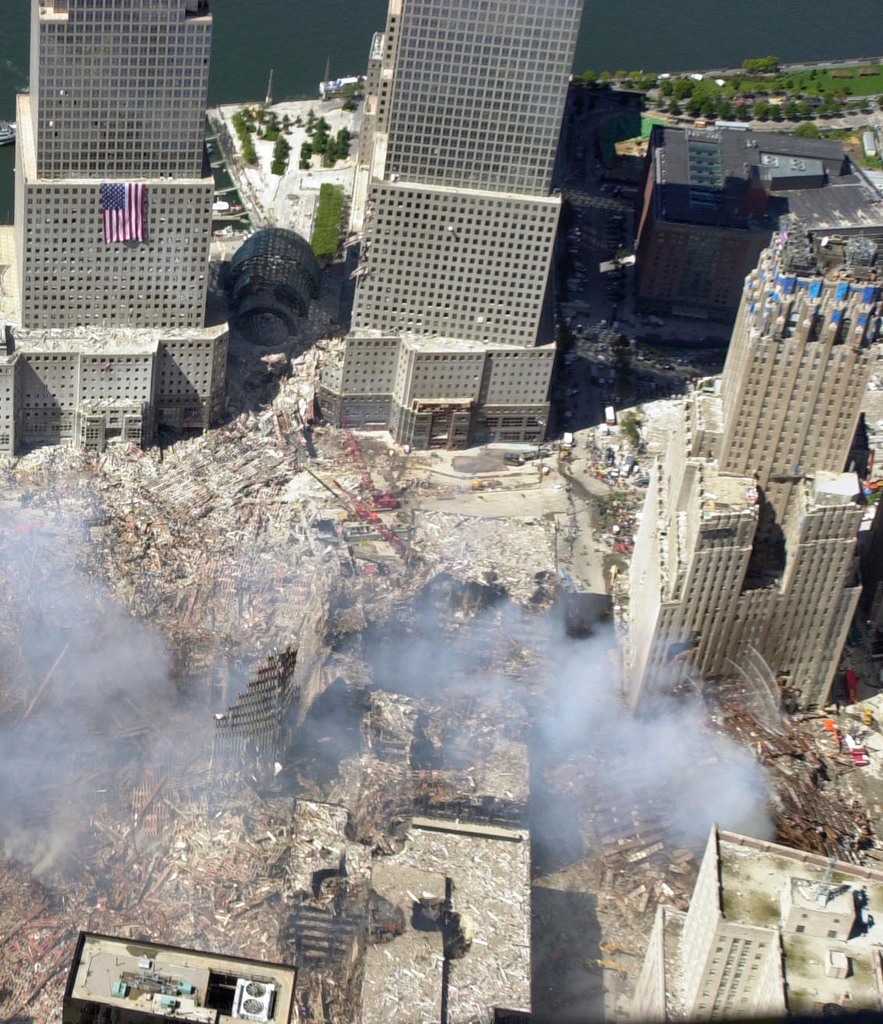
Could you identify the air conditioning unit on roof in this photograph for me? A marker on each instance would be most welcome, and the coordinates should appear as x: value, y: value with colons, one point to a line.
x: 253, y: 1000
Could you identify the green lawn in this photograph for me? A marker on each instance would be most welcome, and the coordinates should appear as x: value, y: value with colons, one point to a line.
x: 822, y: 82
x: 647, y: 122
x: 327, y: 226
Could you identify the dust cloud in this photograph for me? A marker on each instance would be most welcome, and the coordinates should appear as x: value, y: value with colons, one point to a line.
x: 583, y: 744
x: 87, y: 698
x: 88, y: 705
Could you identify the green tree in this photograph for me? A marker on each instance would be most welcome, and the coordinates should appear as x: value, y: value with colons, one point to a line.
x: 320, y: 135
x: 674, y: 108
x: 807, y: 130
x: 762, y: 65
x: 761, y: 110
x: 564, y: 336
x: 804, y: 109
x: 589, y: 77
x: 281, y: 150
x: 790, y: 111
x: 666, y: 88
x: 630, y: 427
x: 338, y: 148
x: 622, y: 357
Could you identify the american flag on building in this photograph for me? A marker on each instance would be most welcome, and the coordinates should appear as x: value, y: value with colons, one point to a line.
x: 124, y: 212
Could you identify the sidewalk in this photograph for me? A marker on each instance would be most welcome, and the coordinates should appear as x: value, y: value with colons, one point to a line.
x: 289, y: 200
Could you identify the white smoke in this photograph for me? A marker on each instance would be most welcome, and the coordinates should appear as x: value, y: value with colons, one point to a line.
x: 670, y: 756
x: 87, y: 695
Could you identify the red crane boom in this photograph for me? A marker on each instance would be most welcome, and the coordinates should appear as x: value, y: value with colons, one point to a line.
x: 368, y: 515
x: 386, y: 500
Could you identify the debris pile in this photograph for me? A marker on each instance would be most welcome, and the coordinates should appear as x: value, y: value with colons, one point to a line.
x: 812, y: 807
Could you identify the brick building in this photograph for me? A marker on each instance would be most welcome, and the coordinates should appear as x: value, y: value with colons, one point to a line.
x: 712, y: 198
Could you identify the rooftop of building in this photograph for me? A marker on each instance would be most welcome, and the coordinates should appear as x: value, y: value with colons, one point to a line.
x: 802, y: 252
x: 754, y: 875
x: 707, y: 403
x: 179, y: 984
x: 447, y: 191
x: 376, y: 52
x: 489, y: 868
x: 58, y: 10
x: 723, y: 494
x: 833, y: 489
x: 104, y: 341
x: 707, y: 177
x: 442, y: 345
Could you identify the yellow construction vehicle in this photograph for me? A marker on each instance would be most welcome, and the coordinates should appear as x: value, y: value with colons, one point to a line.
x: 867, y: 716
x: 615, y: 947
x: 609, y: 965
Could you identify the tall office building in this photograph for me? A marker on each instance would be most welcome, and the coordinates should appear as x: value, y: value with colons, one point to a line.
x: 113, y: 213
x: 770, y: 933
x: 452, y: 202
x: 745, y: 560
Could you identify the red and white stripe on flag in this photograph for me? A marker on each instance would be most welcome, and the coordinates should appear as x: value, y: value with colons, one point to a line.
x: 124, y: 212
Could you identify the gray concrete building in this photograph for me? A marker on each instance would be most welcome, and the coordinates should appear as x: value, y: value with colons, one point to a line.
x: 770, y: 932
x: 746, y: 550
x: 138, y: 982
x: 113, y: 202
x: 453, y: 209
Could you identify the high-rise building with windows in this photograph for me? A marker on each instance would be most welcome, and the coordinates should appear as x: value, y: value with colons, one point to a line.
x: 770, y: 933
x: 745, y: 560
x: 113, y: 210
x: 453, y: 206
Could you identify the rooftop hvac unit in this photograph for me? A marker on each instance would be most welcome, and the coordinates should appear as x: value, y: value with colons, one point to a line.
x: 253, y: 1000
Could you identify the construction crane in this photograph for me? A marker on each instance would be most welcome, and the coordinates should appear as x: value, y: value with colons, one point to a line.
x: 368, y: 515
x: 383, y: 500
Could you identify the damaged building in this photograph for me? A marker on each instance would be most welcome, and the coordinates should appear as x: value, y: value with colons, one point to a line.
x: 452, y: 336
x: 770, y: 932
x: 104, y: 332
x: 747, y: 542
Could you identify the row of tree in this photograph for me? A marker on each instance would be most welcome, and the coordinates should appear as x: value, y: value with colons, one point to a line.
x: 759, y: 109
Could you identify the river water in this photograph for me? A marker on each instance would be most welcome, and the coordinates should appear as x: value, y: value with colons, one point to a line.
x: 297, y: 37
